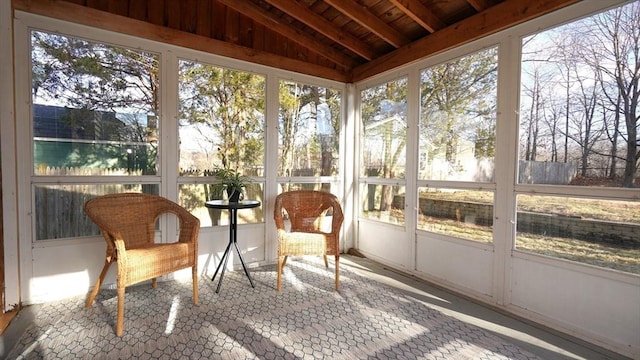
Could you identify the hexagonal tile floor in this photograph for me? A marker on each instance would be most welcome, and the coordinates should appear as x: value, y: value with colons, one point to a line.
x: 307, y: 320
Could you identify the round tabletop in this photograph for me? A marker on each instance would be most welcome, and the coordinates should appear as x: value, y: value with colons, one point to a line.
x: 225, y: 204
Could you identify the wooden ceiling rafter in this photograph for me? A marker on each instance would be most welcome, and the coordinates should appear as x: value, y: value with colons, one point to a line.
x: 323, y: 26
x: 274, y: 23
x: 342, y: 40
x: 67, y: 11
x: 366, y: 19
x: 479, y: 5
x: 472, y: 28
x: 420, y: 14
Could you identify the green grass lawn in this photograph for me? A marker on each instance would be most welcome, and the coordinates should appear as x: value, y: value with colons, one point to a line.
x: 602, y: 254
x: 598, y: 254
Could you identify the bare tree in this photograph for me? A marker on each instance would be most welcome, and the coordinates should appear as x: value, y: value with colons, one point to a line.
x: 552, y: 116
x: 587, y: 127
x: 531, y: 141
x: 616, y: 57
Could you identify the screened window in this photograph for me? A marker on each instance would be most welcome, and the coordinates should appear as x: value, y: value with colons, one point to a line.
x: 95, y: 114
x: 578, y: 114
x: 464, y: 214
x: 59, y: 208
x: 458, y: 119
x: 383, y: 140
x: 590, y: 231
x: 308, y: 130
x: 457, y: 142
x: 95, y: 107
x: 383, y: 137
x: 383, y: 202
x: 221, y: 126
x: 578, y: 127
x: 221, y: 119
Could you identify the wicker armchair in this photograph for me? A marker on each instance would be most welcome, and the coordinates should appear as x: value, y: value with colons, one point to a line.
x: 309, y: 233
x: 128, y: 224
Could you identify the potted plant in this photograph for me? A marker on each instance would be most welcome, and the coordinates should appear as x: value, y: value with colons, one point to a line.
x: 214, y: 191
x: 232, y: 181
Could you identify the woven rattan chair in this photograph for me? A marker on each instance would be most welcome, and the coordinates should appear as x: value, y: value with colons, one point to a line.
x: 128, y: 224
x: 309, y: 233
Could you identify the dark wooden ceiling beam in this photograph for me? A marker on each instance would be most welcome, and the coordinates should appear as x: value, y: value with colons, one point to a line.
x: 323, y: 26
x: 420, y: 14
x: 82, y: 15
x: 162, y: 18
x: 492, y: 20
x: 365, y: 18
x: 479, y: 5
x: 273, y: 23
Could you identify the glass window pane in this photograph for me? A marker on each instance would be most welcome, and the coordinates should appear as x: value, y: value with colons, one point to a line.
x: 95, y: 107
x: 221, y: 120
x: 308, y: 130
x: 328, y: 187
x: 465, y: 214
x: 193, y: 196
x: 383, y: 202
x: 383, y: 135
x: 590, y: 231
x: 458, y: 119
x: 59, y: 208
x: 578, y: 102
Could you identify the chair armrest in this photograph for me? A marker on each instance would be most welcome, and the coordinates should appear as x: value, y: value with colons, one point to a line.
x: 337, y: 219
x: 121, y: 252
x: 189, y: 227
x: 277, y: 214
x: 189, y: 224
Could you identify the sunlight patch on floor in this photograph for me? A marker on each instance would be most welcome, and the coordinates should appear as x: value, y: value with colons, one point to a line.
x: 173, y: 313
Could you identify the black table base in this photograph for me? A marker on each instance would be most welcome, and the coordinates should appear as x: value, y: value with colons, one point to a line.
x: 233, y: 236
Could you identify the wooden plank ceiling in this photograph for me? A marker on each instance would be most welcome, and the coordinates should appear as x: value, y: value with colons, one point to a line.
x: 344, y: 40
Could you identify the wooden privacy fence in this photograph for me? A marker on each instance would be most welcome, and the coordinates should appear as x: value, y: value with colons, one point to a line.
x: 544, y: 172
x: 84, y: 171
x: 58, y: 208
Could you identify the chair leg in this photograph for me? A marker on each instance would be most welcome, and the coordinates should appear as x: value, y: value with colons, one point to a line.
x: 154, y: 283
x: 337, y: 272
x: 194, y: 279
x: 285, y: 261
x: 280, y: 266
x: 96, y: 287
x: 120, y: 318
x: 326, y: 263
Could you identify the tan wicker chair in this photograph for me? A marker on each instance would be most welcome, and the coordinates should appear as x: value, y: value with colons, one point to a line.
x: 308, y: 212
x: 128, y: 224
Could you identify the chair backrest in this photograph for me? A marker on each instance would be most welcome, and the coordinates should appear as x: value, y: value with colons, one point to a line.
x: 306, y: 208
x: 133, y: 216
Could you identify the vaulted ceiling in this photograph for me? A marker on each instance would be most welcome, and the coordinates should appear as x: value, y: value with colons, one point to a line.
x: 344, y: 40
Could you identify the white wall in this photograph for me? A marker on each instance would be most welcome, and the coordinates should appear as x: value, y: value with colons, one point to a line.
x: 602, y: 306
x: 463, y: 265
x: 8, y: 160
x: 383, y: 241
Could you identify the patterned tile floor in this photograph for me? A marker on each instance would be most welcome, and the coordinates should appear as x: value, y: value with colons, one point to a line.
x: 378, y: 314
